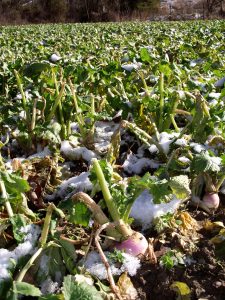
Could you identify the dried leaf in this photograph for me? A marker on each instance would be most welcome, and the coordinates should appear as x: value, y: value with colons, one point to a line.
x: 126, y: 287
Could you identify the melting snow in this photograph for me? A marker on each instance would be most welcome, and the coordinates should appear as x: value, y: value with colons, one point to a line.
x: 94, y: 265
x: 144, y: 210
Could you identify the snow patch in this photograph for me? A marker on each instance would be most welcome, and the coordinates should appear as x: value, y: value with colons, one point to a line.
x: 94, y: 265
x: 144, y: 210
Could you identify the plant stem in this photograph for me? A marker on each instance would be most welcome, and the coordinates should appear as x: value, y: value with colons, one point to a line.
x: 48, y: 217
x: 92, y: 105
x: 219, y: 183
x: 174, y: 123
x: 108, y: 199
x: 60, y: 102
x: 161, y: 101
x: 144, y: 137
x: 34, y: 114
x: 24, y: 99
x: 5, y: 197
x: 56, y: 103
x: 29, y: 264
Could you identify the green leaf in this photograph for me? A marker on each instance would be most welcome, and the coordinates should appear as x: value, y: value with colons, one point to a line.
x: 35, y: 69
x: 107, y: 170
x: 68, y: 254
x: 79, y: 291
x: 204, y: 163
x: 144, y: 54
x: 80, y: 214
x: 26, y: 289
x: 14, y: 184
x: 17, y: 222
x: 159, y: 190
x: 180, y: 186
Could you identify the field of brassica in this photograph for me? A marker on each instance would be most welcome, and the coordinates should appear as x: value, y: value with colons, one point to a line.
x: 112, y: 161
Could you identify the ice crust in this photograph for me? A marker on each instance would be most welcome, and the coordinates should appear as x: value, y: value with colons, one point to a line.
x: 144, y: 210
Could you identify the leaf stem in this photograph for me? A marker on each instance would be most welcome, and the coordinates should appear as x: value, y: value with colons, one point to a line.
x: 6, y: 198
x: 125, y: 231
x: 161, y: 101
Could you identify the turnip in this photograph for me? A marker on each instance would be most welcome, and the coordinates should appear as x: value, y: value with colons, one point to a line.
x: 211, y: 200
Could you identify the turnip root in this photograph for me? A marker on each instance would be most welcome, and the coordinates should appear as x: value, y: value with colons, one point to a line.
x: 135, y: 245
x: 211, y: 200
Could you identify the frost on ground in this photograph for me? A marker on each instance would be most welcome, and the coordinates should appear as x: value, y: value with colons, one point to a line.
x: 8, y: 259
x: 80, y: 183
x: 95, y: 267
x: 144, y: 210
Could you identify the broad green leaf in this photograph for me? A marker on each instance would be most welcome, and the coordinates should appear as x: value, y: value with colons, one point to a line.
x: 180, y: 186
x: 204, y: 163
x: 26, y: 289
x: 79, y: 291
x: 35, y: 69
x: 80, y: 214
x: 144, y: 54
x: 17, y: 222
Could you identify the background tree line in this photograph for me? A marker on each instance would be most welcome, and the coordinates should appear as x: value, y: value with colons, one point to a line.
x: 36, y: 11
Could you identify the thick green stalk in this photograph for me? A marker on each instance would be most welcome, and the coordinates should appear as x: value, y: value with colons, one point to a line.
x: 161, y: 101
x: 24, y: 99
x: 77, y: 109
x: 60, y: 102
x: 92, y: 105
x: 6, y: 198
x: 45, y: 230
x: 220, y: 182
x: 126, y: 231
x: 57, y: 100
x: 174, y: 123
x: 34, y: 115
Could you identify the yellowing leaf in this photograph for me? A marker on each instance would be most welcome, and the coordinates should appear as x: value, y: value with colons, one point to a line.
x: 182, y: 289
x: 126, y: 287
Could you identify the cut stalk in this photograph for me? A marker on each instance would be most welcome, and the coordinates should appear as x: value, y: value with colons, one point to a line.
x: 6, y: 198
x: 92, y: 105
x: 45, y: 230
